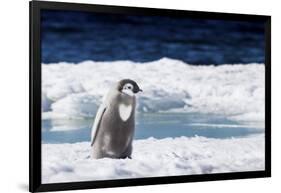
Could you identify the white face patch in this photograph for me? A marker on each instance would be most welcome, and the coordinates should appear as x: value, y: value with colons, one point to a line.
x: 128, y: 89
x: 125, y: 111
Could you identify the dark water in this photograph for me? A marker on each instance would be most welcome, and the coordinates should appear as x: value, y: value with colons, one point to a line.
x: 77, y: 36
x: 157, y: 125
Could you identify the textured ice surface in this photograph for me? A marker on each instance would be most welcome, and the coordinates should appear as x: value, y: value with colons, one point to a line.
x: 154, y: 157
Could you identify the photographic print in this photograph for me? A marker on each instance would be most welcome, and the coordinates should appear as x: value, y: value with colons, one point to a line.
x: 129, y: 96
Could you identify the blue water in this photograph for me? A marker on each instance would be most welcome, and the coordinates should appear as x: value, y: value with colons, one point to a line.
x: 78, y: 36
x: 157, y: 125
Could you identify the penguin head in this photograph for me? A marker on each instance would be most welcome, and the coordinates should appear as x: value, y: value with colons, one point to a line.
x: 128, y: 86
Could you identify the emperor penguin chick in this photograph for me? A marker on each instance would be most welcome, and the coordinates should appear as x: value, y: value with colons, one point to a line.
x: 114, y: 125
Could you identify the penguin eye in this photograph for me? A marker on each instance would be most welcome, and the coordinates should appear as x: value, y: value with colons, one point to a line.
x: 129, y: 87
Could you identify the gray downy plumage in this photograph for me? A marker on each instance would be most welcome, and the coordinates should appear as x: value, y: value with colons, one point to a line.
x: 114, y: 125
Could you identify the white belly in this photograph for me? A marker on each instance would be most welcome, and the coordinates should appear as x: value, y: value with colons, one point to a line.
x: 125, y: 111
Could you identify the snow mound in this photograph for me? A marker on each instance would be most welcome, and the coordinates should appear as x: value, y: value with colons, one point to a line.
x: 236, y: 91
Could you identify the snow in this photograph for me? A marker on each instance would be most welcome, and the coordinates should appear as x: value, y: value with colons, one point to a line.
x: 154, y: 157
x: 75, y: 90
x: 253, y: 126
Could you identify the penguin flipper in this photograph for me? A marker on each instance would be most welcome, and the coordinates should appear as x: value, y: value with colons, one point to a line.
x: 97, y: 121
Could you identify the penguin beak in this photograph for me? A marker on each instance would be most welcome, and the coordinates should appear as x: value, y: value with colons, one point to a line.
x: 140, y: 90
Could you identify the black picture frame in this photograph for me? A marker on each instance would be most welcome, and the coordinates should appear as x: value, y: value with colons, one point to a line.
x: 35, y: 184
